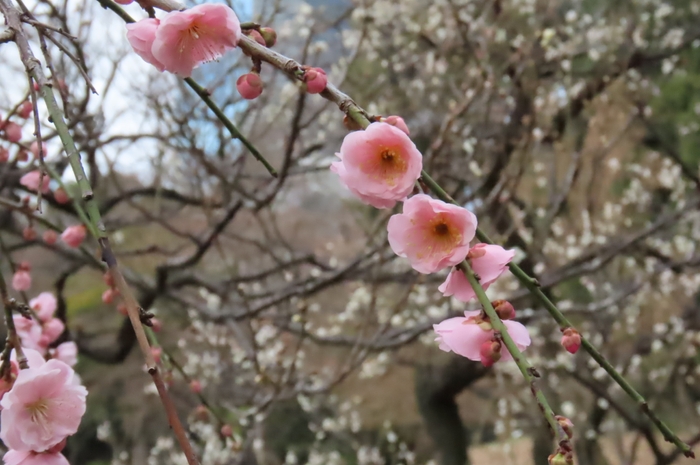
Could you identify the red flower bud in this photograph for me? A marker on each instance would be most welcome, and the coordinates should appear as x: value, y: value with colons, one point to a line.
x: 504, y: 309
x: 256, y: 36
x: 270, y: 36
x: 61, y: 196
x: 50, y: 236
x: 108, y: 296
x: 566, y: 424
x: 571, y: 340
x: 25, y: 110
x: 398, y: 122
x: 226, y: 431
x: 29, y: 234
x: 249, y: 86
x: 195, y: 386
x: 490, y: 352
x: 316, y: 80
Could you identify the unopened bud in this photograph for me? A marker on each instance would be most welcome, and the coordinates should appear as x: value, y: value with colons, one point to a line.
x: 25, y: 110
x: 256, y: 36
x: 270, y: 36
x: 195, y: 386
x: 571, y: 340
x: 50, y: 237
x: 504, y: 309
x: 29, y: 234
x: 156, y: 352
x: 398, y: 122
x: 566, y: 424
x: 477, y: 251
x: 201, y: 413
x: 249, y: 86
x: 316, y: 80
x: 490, y: 352
x: 226, y: 431
x: 108, y: 296
x: 61, y: 196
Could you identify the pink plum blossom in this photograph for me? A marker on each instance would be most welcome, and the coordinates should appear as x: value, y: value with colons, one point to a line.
x: 186, y: 39
x: 379, y: 165
x: 487, y: 261
x: 52, y: 329
x: 432, y: 234
x: 316, y: 80
x: 32, y: 180
x: 141, y: 36
x: 21, y: 280
x: 44, y: 305
x: 66, y: 352
x: 73, y: 236
x: 29, y: 332
x: 249, y: 86
x: 466, y: 335
x: 15, y: 457
x: 42, y: 408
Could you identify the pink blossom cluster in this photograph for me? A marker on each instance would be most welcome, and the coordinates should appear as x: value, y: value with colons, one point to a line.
x: 381, y: 165
x: 39, y: 334
x: 183, y: 40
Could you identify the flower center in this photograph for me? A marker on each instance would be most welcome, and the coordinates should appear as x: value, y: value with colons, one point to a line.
x: 441, y: 229
x: 39, y: 412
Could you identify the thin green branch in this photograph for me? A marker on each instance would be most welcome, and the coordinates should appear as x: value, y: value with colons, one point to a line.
x: 527, y: 370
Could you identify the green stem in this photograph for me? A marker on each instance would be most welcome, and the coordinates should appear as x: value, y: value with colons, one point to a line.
x: 526, y: 369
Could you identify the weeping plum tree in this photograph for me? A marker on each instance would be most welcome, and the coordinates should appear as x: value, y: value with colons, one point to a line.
x: 269, y: 240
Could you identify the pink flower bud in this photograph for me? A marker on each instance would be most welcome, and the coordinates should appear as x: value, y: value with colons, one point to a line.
x: 25, y: 110
x: 566, y: 424
x: 476, y: 252
x: 398, y: 122
x: 21, y: 280
x: 490, y: 352
x: 13, y: 131
x: 28, y: 233
x: 270, y: 36
x: 571, y: 340
x: 156, y: 325
x: 108, y: 279
x: 34, y: 148
x: 36, y: 87
x: 195, y: 386
x: 50, y: 236
x: 73, y: 236
x: 108, y: 296
x: 504, y: 309
x: 156, y: 352
x: 121, y: 308
x: 256, y: 36
x: 249, y: 86
x: 226, y: 431
x: 61, y: 196
x: 316, y: 80
x: 4, y: 155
